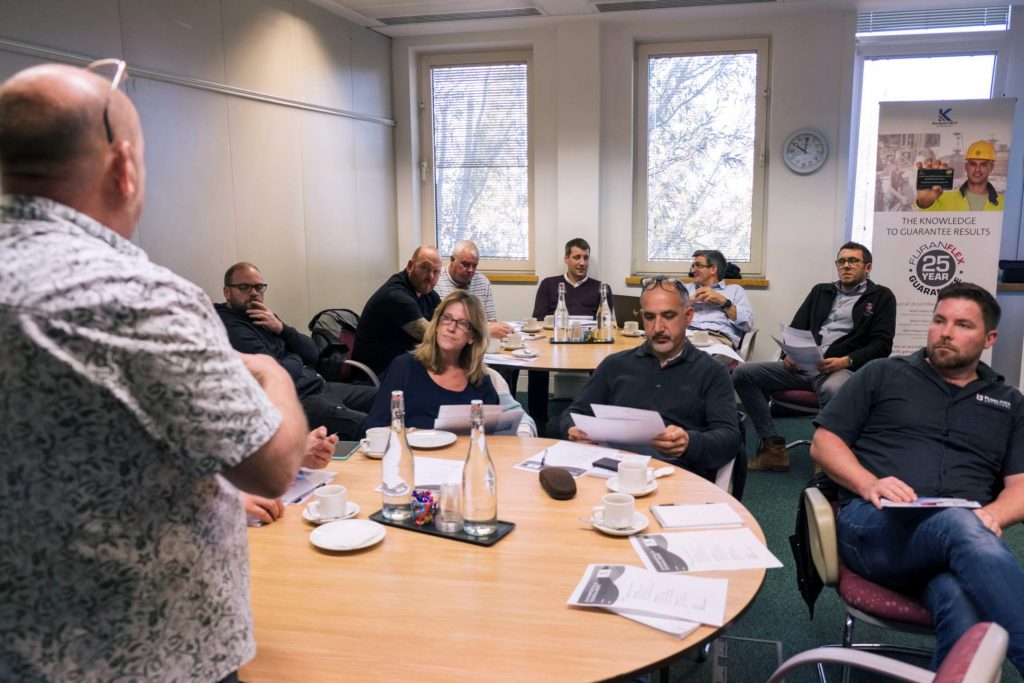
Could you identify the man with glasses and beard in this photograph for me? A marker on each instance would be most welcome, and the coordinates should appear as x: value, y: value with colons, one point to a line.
x: 122, y: 402
x: 853, y: 320
x: 688, y: 388
x: 938, y: 423
x: 253, y: 328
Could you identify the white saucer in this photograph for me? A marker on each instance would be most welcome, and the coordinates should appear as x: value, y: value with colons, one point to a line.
x: 638, y: 333
x: 368, y: 454
x: 538, y: 328
x: 511, y: 348
x: 347, y: 534
x: 640, y: 523
x: 524, y: 353
x: 430, y: 438
x: 547, y: 327
x: 311, y: 513
x: 613, y: 484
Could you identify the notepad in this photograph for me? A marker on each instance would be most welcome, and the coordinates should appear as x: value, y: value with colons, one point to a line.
x: 695, y: 515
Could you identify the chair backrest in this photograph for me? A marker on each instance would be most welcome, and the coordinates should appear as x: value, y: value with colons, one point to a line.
x: 977, y: 657
x: 747, y: 344
x: 821, y: 533
x: 334, y: 332
x: 723, y: 477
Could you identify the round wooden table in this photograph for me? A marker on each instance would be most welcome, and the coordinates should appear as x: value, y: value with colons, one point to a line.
x: 567, y: 357
x: 420, y: 608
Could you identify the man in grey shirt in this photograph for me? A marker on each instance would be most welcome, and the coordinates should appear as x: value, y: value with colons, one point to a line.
x: 462, y: 273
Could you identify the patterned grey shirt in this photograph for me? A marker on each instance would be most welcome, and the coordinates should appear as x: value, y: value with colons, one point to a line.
x: 121, y: 398
x: 479, y: 286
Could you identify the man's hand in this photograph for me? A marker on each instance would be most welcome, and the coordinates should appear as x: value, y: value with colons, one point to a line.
x: 264, y: 509
x: 790, y: 365
x: 577, y: 434
x: 829, y: 366
x: 319, y: 448
x: 498, y: 329
x: 887, y: 487
x: 989, y: 521
x: 707, y: 295
x: 672, y: 442
x: 264, y: 317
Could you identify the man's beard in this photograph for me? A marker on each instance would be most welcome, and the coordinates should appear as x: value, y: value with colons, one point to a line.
x: 951, y: 361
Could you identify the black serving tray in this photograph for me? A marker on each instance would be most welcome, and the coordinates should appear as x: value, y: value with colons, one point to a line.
x: 503, y: 530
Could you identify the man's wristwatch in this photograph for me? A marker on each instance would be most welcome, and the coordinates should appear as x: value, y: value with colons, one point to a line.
x: 727, y: 304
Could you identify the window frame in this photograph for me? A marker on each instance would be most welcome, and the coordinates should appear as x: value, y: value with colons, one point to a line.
x: 755, y: 267
x: 426, y: 165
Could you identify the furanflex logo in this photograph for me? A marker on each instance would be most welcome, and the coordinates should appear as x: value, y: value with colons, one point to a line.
x: 935, y: 265
x: 994, y: 402
x: 944, y: 119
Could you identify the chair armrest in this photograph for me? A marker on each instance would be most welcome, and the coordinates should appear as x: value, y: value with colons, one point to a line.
x: 855, y: 658
x: 821, y: 532
x: 366, y: 371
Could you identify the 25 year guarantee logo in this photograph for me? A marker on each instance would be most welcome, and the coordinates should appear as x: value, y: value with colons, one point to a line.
x: 935, y: 265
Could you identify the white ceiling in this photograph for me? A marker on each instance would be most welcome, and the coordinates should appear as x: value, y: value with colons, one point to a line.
x: 418, y: 16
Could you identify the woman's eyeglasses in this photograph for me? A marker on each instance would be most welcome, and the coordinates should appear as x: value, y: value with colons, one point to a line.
x: 462, y: 324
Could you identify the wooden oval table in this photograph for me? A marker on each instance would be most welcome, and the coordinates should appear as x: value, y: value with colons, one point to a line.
x: 567, y: 357
x: 420, y: 608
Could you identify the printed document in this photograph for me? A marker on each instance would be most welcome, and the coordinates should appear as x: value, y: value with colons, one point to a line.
x: 702, y: 551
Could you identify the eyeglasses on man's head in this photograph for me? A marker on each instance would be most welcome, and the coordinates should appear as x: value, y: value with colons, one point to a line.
x: 663, y: 281
x: 119, y: 66
x: 246, y: 288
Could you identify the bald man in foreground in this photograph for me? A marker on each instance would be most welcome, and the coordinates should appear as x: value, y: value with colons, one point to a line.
x: 124, y: 558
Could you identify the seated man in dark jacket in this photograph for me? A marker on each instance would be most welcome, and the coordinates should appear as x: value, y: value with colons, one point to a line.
x: 852, y: 319
x: 253, y: 328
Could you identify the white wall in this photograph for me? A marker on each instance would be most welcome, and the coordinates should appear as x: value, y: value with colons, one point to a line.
x: 307, y: 196
x: 583, y: 75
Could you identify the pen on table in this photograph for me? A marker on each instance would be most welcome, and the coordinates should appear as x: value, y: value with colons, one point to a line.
x: 305, y: 495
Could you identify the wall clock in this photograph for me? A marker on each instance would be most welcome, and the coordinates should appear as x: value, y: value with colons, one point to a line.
x: 805, y: 151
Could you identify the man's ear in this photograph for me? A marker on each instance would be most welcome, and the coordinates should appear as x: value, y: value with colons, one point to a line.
x: 126, y: 172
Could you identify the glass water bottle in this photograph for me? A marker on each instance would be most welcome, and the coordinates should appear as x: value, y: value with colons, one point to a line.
x: 479, y: 482
x: 604, y: 317
x: 398, y: 474
x: 561, y: 316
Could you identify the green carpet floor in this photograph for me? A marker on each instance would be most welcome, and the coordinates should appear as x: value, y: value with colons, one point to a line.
x: 778, y: 614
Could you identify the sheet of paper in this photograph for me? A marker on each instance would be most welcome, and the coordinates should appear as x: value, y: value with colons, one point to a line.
x: 432, y: 472
x: 702, y: 551
x: 625, y: 589
x: 455, y: 418
x: 933, y: 503
x: 620, y: 430
x: 800, y: 347
x: 306, y: 481
x: 624, y: 413
x: 695, y: 515
x: 506, y: 359
x: 572, y: 456
x: 679, y: 628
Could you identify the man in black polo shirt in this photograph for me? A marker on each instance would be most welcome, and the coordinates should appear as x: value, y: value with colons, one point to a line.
x: 396, y: 316
x: 936, y: 423
x: 666, y: 374
x: 852, y: 319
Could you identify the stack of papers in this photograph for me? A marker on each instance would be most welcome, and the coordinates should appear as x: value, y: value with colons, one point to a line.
x: 696, y: 515
x: 933, y: 503
x: 578, y: 458
x: 800, y: 348
x: 674, y: 604
x: 432, y: 472
x: 455, y: 418
x: 615, y: 424
x: 703, y: 551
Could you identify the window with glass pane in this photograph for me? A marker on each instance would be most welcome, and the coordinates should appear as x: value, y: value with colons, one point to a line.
x: 898, y: 79
x: 701, y: 180
x: 480, y: 149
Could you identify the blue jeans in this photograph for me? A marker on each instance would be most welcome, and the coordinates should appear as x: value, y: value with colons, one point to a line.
x: 961, y: 571
x: 754, y: 382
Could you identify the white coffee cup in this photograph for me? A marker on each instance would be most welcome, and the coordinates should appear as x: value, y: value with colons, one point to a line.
x: 635, y: 475
x: 493, y: 345
x: 700, y: 337
x: 514, y: 341
x: 332, y: 501
x: 549, y: 321
x: 530, y: 324
x: 616, y: 511
x: 631, y: 327
x: 376, y: 441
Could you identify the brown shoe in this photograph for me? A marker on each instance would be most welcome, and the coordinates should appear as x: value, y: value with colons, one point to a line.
x: 771, y: 456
